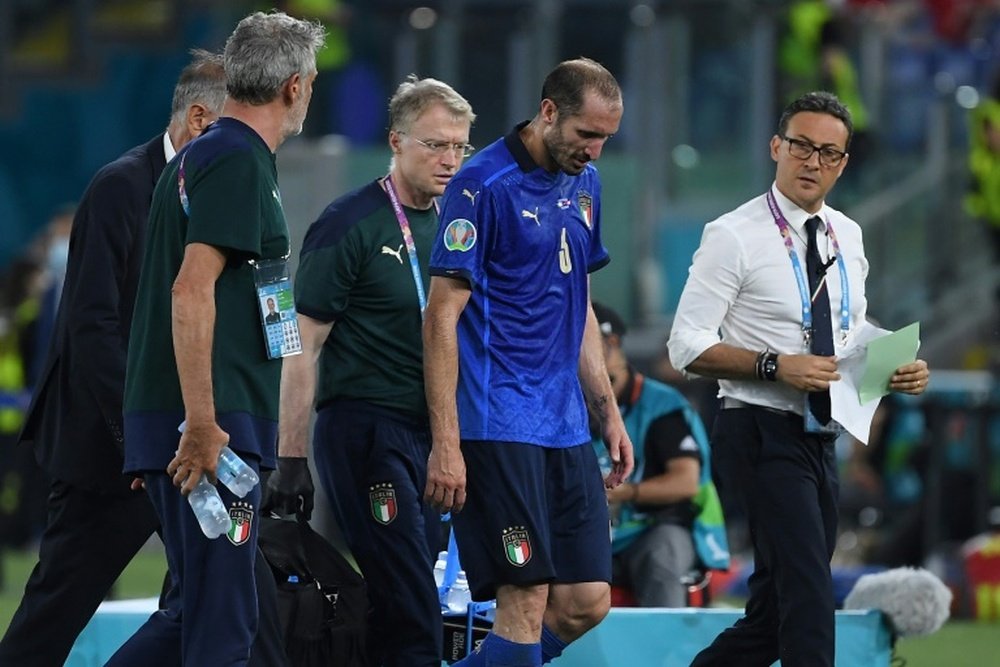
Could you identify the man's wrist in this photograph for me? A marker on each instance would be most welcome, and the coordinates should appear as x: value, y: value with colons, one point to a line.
x: 767, y: 364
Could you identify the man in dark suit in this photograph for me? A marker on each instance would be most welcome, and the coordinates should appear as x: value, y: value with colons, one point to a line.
x: 96, y: 522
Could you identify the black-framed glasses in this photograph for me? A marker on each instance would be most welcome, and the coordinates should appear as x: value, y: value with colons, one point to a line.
x: 803, y: 150
x: 439, y: 147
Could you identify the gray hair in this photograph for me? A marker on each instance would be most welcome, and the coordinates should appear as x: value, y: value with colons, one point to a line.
x: 265, y: 50
x: 203, y: 82
x: 414, y: 96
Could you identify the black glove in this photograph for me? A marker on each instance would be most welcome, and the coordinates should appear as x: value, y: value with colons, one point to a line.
x: 289, y: 489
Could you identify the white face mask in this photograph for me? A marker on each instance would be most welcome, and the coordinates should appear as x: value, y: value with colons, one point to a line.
x: 58, y: 255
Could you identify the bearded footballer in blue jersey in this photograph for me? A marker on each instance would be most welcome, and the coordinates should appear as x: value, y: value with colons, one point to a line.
x: 512, y: 357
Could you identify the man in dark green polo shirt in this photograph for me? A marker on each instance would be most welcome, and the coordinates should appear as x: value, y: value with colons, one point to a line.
x: 198, y: 351
x: 360, y: 292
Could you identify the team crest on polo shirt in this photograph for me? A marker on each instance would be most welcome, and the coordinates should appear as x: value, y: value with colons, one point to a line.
x: 586, y: 203
x: 516, y: 545
x: 460, y: 235
x: 383, y: 502
x: 241, y: 515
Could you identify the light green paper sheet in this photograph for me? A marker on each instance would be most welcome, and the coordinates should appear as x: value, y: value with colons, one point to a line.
x: 885, y: 355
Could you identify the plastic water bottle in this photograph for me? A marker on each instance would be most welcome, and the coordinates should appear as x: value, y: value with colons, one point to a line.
x: 459, y: 595
x: 209, y: 509
x: 439, y: 567
x: 232, y: 470
x: 235, y: 473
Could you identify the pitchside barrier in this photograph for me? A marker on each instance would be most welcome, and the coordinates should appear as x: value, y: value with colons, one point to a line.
x: 628, y: 636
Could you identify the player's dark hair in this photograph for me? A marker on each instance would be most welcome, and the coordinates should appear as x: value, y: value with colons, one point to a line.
x: 567, y: 83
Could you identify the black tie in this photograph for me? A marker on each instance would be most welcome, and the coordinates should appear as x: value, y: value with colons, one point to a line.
x: 822, y: 330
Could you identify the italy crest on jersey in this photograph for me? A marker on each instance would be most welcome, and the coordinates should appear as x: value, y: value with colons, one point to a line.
x: 516, y: 545
x: 241, y: 515
x: 383, y: 503
x: 586, y: 203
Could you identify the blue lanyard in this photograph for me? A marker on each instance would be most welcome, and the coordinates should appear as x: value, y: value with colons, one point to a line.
x: 800, y: 279
x: 411, y: 247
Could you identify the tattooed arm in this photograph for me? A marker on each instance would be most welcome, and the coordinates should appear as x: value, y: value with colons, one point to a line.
x: 601, y: 402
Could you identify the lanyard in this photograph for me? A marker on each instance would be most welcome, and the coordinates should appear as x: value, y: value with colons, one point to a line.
x: 411, y: 247
x: 845, y: 296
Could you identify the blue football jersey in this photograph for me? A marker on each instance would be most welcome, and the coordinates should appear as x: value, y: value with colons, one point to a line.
x: 525, y: 240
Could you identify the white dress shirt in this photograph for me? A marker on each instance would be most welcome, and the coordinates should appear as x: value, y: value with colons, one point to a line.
x: 741, y: 290
x: 168, y: 147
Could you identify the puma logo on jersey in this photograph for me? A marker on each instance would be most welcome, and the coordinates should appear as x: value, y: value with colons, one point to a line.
x: 471, y: 195
x: 398, y: 253
x: 532, y: 216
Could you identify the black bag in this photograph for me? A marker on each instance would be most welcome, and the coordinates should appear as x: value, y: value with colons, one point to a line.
x: 322, y: 602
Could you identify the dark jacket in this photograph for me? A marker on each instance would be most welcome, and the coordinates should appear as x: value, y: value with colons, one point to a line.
x: 75, y: 418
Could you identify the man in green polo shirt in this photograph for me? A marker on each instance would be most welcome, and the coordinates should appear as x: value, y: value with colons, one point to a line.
x: 360, y: 292
x: 198, y: 350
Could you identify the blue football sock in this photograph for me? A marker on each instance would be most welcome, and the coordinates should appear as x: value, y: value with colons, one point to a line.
x: 552, y: 646
x: 496, y: 651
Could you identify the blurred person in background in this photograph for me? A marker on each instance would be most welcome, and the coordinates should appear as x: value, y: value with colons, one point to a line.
x: 766, y: 288
x: 96, y: 522
x: 813, y: 55
x: 217, y: 242
x: 983, y: 200
x: 653, y: 515
x: 360, y: 296
x: 55, y: 247
x: 23, y: 485
x: 336, y: 16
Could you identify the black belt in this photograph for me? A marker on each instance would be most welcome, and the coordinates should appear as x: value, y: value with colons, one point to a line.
x: 730, y: 403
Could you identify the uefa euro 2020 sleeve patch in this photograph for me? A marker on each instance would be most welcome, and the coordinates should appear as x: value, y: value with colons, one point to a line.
x: 460, y: 235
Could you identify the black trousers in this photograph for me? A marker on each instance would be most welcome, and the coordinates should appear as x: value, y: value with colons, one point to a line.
x: 89, y: 539
x: 787, y: 480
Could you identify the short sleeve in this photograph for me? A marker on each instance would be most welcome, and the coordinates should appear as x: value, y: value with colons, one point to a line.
x: 328, y: 270
x: 221, y: 211
x: 461, y: 247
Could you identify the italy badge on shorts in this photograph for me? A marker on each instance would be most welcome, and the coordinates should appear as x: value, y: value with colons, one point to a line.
x: 516, y: 545
x: 242, y: 519
x: 383, y: 502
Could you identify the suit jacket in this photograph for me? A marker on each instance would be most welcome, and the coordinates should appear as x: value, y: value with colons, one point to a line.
x: 75, y: 417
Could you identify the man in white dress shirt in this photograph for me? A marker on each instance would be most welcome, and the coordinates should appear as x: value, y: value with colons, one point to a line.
x: 766, y: 311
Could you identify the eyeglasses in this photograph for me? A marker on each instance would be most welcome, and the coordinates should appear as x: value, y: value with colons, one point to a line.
x: 439, y: 147
x: 803, y: 150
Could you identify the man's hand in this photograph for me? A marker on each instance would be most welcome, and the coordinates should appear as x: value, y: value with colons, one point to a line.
x: 911, y: 378
x: 807, y: 372
x: 445, y: 488
x: 620, y: 450
x: 197, y: 455
x: 289, y: 489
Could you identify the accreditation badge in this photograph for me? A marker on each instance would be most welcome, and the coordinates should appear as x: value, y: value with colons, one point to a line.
x: 276, y: 305
x: 812, y: 425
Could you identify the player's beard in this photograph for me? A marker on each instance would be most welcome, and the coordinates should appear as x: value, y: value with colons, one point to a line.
x: 563, y: 153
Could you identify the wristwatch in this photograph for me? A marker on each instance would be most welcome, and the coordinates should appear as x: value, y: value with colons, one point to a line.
x: 769, y: 366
